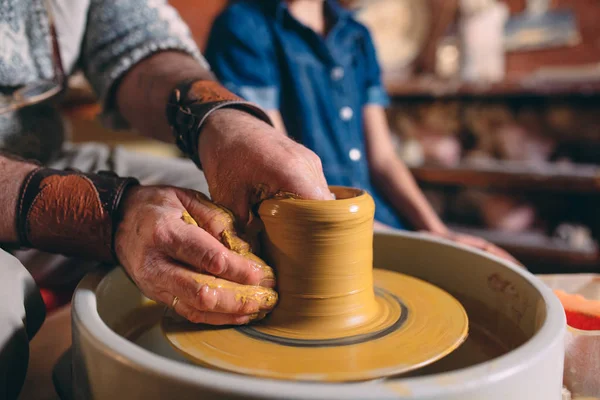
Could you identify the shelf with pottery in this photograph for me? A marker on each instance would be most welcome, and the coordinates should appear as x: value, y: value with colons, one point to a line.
x: 537, y: 85
x: 527, y: 48
x: 552, y: 177
x: 541, y: 253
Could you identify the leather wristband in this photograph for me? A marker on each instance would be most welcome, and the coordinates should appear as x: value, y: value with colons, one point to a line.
x: 71, y: 213
x: 191, y: 103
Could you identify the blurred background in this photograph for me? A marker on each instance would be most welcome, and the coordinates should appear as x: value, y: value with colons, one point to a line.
x: 495, y: 107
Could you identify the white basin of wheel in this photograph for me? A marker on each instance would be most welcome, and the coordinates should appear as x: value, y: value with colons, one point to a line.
x: 108, y: 365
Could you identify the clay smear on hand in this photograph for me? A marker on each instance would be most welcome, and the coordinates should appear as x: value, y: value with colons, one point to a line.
x: 264, y: 297
x: 222, y: 220
x: 222, y: 225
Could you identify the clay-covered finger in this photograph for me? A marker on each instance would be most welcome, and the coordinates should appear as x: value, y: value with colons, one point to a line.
x: 195, y: 247
x: 207, y: 293
x: 208, y: 215
x: 219, y: 222
x: 212, y: 318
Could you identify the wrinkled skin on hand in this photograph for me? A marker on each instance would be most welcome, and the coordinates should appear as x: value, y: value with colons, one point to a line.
x: 175, y: 242
x: 246, y: 161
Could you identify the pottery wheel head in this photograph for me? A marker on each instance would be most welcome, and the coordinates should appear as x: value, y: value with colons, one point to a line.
x: 337, y: 319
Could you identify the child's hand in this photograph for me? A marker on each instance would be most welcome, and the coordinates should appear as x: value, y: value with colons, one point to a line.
x: 478, y: 243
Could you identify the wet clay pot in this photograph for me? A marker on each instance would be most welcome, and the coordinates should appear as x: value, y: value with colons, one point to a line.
x: 323, y: 255
x: 337, y: 319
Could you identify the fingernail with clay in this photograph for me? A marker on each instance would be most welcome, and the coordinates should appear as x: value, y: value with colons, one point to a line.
x: 267, y: 282
x: 259, y: 264
x: 267, y: 272
x: 257, y: 316
x: 265, y: 297
x: 269, y: 299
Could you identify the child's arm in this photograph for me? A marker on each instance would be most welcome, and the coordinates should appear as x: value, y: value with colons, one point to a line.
x: 393, y: 177
x: 389, y: 173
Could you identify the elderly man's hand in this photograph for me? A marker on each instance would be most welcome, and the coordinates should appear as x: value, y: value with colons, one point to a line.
x: 246, y: 161
x: 176, y: 244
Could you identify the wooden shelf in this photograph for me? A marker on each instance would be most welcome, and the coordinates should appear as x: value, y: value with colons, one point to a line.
x: 537, y: 251
x: 514, y: 176
x: 427, y: 87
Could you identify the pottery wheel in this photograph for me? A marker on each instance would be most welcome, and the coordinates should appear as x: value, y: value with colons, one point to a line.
x: 337, y: 319
x: 422, y: 324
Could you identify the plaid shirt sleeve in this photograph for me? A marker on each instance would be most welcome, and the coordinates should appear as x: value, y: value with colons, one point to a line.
x: 120, y: 34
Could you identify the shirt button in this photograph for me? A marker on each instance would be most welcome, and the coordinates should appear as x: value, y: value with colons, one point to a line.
x: 346, y: 113
x: 354, y: 154
x: 337, y: 73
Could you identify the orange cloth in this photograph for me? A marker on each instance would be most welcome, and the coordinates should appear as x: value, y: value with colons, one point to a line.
x: 581, y: 313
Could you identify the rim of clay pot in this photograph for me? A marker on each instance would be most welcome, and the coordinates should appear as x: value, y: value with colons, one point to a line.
x: 344, y: 207
x: 89, y: 323
x: 343, y: 195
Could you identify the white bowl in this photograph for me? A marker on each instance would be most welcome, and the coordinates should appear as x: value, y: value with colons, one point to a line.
x: 501, y: 300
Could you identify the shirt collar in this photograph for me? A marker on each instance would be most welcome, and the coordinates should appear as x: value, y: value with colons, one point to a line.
x: 338, y: 12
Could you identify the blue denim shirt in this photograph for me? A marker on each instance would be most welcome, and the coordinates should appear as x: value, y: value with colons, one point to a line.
x: 320, y: 85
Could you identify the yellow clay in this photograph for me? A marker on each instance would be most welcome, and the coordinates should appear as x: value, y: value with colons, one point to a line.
x: 323, y: 252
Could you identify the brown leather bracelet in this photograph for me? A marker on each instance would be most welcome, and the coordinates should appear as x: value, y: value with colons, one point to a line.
x: 190, y: 104
x: 71, y: 213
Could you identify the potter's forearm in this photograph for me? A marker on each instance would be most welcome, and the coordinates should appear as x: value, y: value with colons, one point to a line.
x: 143, y: 93
x: 65, y: 212
x: 399, y: 186
x: 12, y: 175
